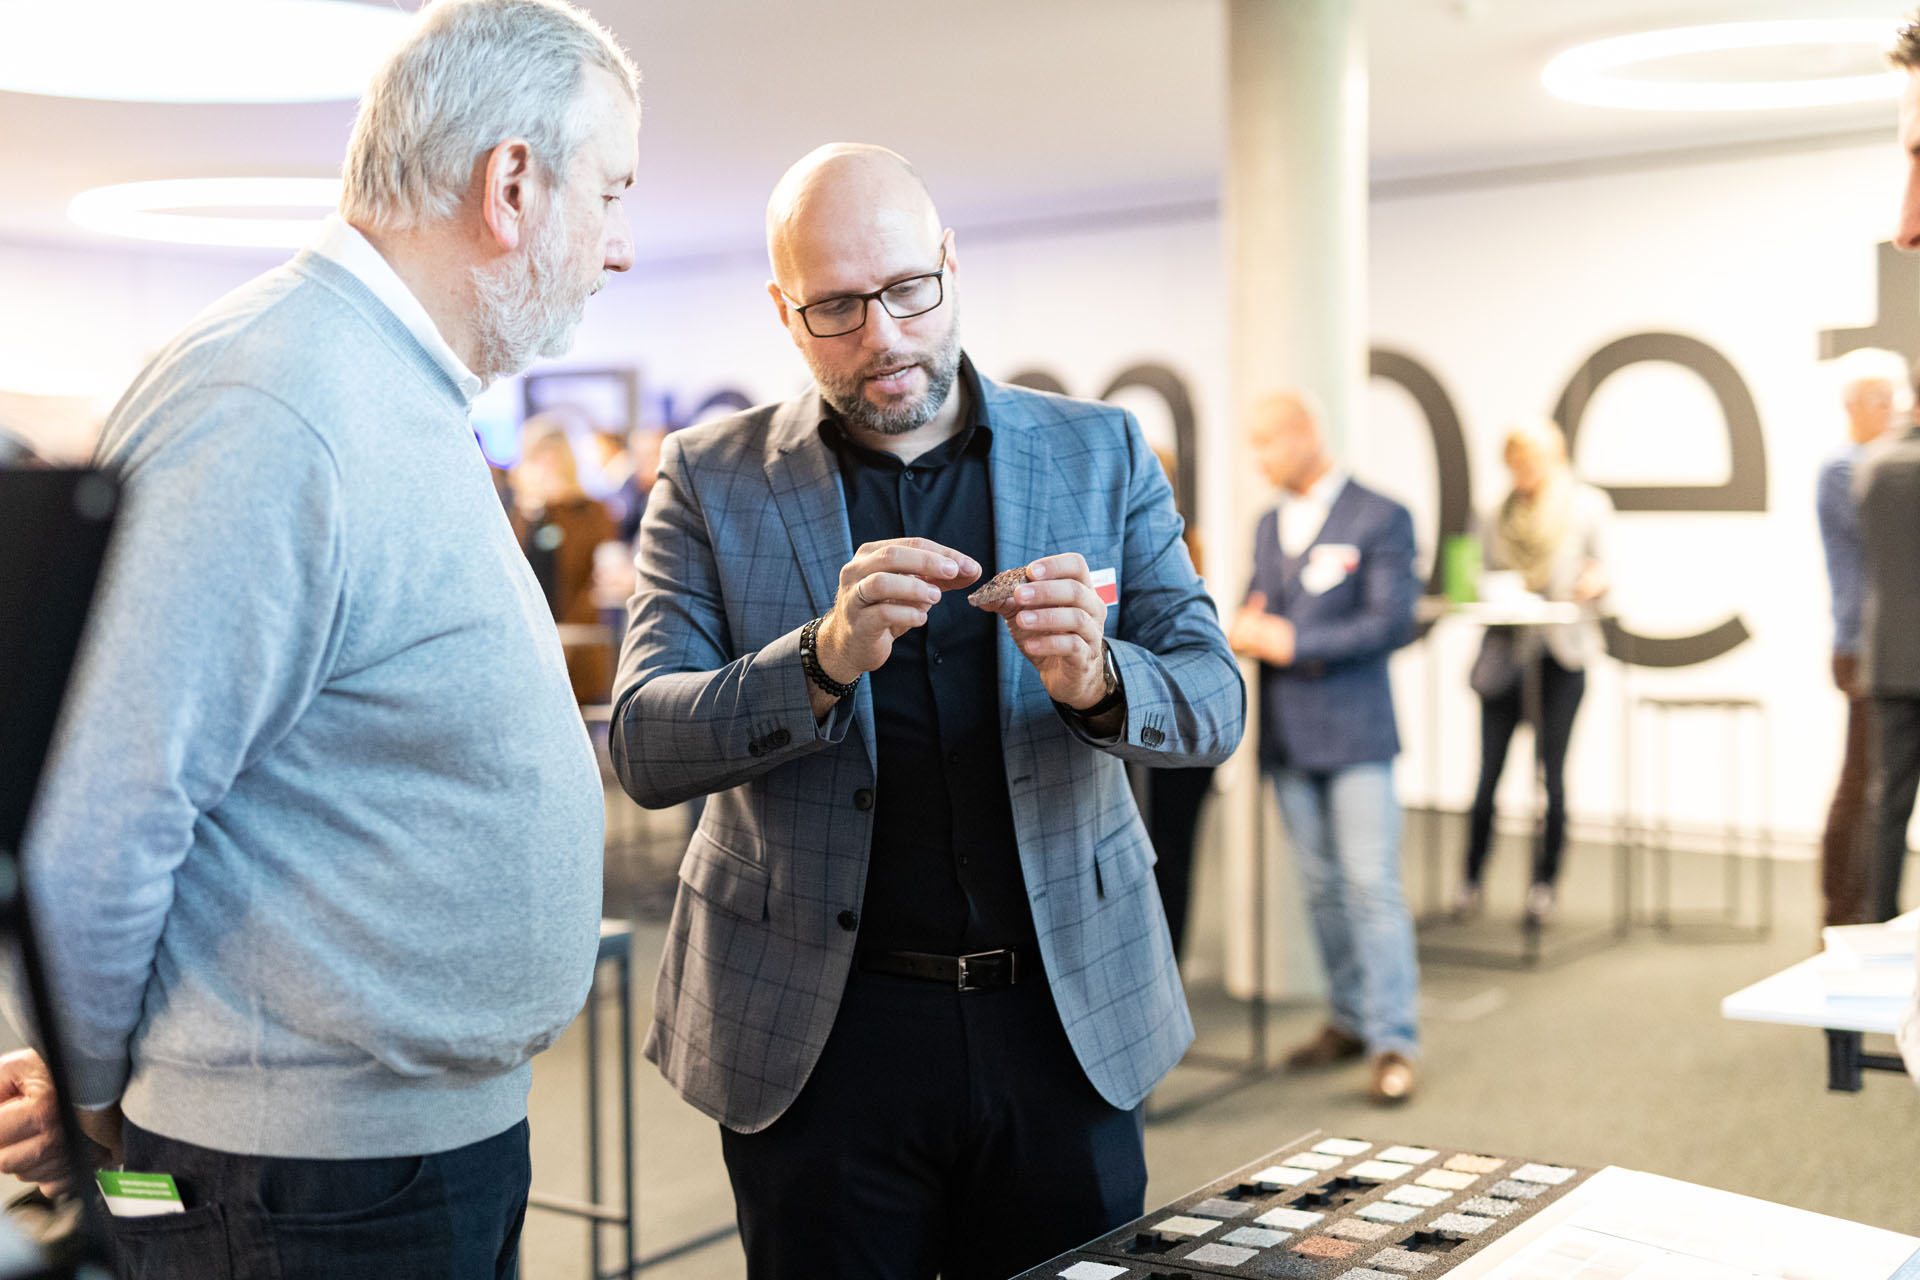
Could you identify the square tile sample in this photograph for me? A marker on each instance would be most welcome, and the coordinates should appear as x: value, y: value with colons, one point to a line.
x: 1287, y: 1266
x: 1255, y: 1237
x: 1327, y: 1247
x: 1447, y: 1179
x: 1403, y: 1260
x: 1548, y: 1173
x: 1358, y: 1229
x: 1222, y: 1254
x: 1379, y: 1170
x: 1312, y: 1160
x: 1180, y: 1226
x: 1490, y: 1206
x: 1220, y: 1207
x: 1388, y: 1211
x: 1367, y: 1273
x: 1514, y: 1189
x: 1407, y: 1155
x: 1465, y: 1224
x: 1474, y: 1164
x: 1425, y: 1197
x: 1292, y: 1219
x: 1280, y: 1176
x: 1342, y: 1147
x: 1092, y: 1271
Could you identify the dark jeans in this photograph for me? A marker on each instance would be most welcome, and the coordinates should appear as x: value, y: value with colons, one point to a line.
x: 942, y: 1131
x: 1560, y: 691
x: 1174, y: 797
x: 1890, y: 794
x: 454, y: 1215
x: 1844, y: 861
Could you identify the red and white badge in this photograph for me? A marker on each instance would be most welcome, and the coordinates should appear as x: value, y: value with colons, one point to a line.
x: 1105, y: 585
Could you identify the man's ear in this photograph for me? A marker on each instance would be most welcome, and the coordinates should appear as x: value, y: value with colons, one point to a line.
x: 781, y: 309
x: 505, y: 188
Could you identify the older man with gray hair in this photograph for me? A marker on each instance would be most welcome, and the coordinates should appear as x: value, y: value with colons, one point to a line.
x: 318, y: 854
x: 1871, y: 381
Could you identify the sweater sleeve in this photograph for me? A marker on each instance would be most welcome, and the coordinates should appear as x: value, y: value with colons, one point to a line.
x: 212, y: 628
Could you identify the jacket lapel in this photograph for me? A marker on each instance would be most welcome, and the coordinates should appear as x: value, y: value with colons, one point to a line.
x: 1021, y: 495
x: 805, y: 483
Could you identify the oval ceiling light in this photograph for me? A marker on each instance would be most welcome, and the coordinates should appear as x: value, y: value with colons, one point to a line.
x: 1587, y: 74
x: 181, y: 210
x: 196, y: 50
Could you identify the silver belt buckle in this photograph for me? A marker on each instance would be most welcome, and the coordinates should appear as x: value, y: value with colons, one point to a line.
x: 963, y: 979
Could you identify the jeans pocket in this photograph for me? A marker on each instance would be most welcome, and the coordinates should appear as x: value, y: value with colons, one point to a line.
x: 401, y: 1235
x: 174, y: 1246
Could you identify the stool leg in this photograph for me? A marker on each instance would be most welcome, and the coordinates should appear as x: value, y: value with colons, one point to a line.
x: 626, y: 1110
x: 593, y: 1119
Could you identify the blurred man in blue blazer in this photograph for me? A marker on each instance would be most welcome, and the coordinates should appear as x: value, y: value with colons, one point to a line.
x: 1332, y: 596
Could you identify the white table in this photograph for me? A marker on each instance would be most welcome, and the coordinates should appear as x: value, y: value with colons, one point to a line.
x: 1798, y: 997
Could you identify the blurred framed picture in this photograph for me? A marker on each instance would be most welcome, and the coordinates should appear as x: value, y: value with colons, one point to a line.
x: 602, y: 400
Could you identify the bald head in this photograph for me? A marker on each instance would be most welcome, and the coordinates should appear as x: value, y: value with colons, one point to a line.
x: 1284, y: 431
x: 839, y: 198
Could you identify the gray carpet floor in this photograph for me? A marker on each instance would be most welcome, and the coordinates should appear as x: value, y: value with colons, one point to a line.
x: 1610, y: 1056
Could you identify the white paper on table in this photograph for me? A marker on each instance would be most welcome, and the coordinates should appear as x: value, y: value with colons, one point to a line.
x: 1622, y: 1223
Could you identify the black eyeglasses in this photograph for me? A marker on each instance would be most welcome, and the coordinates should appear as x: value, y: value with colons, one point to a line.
x: 903, y: 299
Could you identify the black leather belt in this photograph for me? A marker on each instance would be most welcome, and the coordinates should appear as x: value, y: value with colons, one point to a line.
x: 981, y: 971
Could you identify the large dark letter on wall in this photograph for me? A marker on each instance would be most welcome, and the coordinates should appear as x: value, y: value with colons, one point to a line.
x: 1449, y: 446
x: 1744, y: 490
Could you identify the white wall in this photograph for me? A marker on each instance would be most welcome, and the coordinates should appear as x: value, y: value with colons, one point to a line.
x: 1501, y: 292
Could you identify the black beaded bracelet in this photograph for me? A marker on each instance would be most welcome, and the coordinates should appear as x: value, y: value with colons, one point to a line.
x: 810, y: 662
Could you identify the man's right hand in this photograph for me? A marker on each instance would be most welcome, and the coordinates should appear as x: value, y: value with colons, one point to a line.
x: 30, y: 1144
x: 885, y: 591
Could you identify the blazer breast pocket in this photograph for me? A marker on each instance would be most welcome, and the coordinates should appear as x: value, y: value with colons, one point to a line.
x: 728, y: 880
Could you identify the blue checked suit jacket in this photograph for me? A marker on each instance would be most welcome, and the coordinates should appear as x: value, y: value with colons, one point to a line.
x: 744, y: 538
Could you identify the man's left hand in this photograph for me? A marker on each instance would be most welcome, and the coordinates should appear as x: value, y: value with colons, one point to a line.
x: 1060, y: 624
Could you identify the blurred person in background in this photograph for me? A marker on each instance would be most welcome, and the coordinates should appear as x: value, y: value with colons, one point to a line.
x: 643, y: 468
x: 1174, y: 796
x: 1550, y: 529
x: 1905, y: 56
x: 560, y: 529
x: 317, y: 859
x: 1332, y: 597
x: 1870, y: 381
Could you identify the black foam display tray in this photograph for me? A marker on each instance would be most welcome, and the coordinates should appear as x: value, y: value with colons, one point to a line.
x: 1432, y: 1240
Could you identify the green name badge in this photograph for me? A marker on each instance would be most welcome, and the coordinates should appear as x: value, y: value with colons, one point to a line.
x: 139, y: 1195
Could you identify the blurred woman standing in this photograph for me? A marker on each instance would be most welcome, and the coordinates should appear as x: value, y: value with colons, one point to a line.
x: 559, y: 526
x: 1551, y: 530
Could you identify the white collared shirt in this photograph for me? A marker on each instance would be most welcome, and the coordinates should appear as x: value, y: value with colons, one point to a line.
x: 1303, y: 514
x: 338, y: 242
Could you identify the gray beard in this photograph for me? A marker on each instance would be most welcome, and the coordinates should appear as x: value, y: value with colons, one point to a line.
x: 942, y: 366
x: 523, y: 313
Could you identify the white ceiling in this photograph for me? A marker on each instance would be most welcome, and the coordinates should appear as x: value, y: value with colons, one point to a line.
x: 1013, y: 109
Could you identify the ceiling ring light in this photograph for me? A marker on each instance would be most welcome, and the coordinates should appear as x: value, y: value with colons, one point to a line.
x: 156, y: 210
x: 197, y: 50
x: 1587, y: 73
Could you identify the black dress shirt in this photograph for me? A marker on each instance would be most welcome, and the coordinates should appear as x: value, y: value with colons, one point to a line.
x: 944, y: 874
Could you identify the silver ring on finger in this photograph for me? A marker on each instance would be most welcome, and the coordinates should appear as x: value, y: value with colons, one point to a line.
x: 860, y: 589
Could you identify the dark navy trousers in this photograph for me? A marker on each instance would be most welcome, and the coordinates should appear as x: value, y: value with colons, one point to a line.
x: 949, y: 1132
x: 453, y: 1215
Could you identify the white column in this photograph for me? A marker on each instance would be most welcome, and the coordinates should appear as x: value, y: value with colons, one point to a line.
x: 1295, y: 235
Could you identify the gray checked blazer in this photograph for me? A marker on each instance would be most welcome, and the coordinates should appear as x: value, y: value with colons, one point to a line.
x: 744, y: 538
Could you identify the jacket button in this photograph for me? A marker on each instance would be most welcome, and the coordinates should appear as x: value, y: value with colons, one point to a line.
x: 863, y: 799
x: 755, y: 749
x: 1152, y: 737
x: 780, y: 738
x: 849, y: 921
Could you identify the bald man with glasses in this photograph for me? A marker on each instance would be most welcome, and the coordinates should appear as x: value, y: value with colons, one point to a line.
x: 918, y: 969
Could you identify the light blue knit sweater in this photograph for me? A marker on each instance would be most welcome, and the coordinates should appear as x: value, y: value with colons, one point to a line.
x: 318, y: 860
